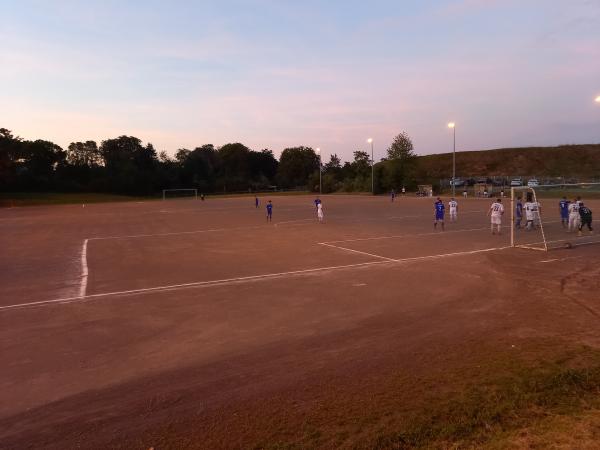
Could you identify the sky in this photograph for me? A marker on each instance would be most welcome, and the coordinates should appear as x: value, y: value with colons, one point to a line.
x: 283, y: 73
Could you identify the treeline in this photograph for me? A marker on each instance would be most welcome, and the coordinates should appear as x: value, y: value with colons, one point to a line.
x: 124, y: 165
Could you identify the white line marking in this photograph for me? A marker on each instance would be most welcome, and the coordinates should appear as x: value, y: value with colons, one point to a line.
x: 295, y: 221
x: 227, y: 281
x: 559, y: 259
x: 357, y: 251
x: 440, y: 233
x: 175, y: 233
x: 84, y: 269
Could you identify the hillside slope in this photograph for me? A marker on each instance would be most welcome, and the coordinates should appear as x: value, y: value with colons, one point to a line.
x: 571, y: 161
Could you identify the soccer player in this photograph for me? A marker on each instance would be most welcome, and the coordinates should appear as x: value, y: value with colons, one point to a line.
x: 453, y: 206
x: 495, y: 212
x: 317, y: 202
x: 574, y: 217
x: 518, y: 213
x: 563, y: 209
x: 320, y: 212
x: 256, y: 202
x: 269, y: 211
x: 439, y: 213
x: 393, y: 195
x: 465, y: 193
x: 586, y: 218
x: 532, y: 213
x: 403, y: 190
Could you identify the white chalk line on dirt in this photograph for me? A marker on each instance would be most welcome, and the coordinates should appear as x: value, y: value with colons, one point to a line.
x: 429, y: 233
x: 402, y: 236
x: 84, y: 270
x: 357, y: 251
x: 227, y: 281
x: 559, y: 259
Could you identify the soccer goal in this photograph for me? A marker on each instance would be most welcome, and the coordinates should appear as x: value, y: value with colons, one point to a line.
x: 180, y: 193
x: 548, y: 217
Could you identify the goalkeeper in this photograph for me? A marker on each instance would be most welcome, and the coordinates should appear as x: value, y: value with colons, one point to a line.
x: 586, y: 218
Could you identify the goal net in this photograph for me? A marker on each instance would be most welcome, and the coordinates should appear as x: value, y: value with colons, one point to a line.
x: 548, y: 217
x: 180, y: 193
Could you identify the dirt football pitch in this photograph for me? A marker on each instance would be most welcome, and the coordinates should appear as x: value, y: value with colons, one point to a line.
x: 197, y: 324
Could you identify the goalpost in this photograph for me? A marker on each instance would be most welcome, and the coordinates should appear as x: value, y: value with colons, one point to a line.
x: 549, y: 230
x: 178, y: 193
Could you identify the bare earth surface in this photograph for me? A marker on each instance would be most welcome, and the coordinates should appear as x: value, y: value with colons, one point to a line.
x: 189, y: 324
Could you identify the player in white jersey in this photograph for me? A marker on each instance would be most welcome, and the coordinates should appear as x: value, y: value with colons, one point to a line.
x: 495, y: 212
x: 453, y: 207
x: 320, y: 212
x: 574, y: 217
x: 532, y: 213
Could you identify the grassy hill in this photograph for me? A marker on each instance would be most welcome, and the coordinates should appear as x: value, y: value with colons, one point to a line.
x: 569, y: 161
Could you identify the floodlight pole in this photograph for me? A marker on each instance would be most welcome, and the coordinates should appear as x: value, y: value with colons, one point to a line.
x: 370, y: 141
x: 454, y: 162
x: 320, y: 170
x: 320, y: 174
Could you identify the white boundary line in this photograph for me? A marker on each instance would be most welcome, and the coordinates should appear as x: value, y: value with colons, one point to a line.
x: 559, y: 259
x: 402, y: 236
x: 84, y: 270
x: 295, y: 221
x: 227, y: 281
x: 357, y: 251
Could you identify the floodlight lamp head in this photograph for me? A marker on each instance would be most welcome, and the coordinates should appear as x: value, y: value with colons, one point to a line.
x: 370, y: 140
x: 451, y: 125
x: 598, y: 99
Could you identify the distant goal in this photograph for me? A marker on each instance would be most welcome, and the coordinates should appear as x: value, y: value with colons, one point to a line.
x: 544, y: 225
x: 179, y: 193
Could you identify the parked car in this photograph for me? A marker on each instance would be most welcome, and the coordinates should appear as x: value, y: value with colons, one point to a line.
x: 516, y: 182
x: 457, y: 182
x: 533, y: 183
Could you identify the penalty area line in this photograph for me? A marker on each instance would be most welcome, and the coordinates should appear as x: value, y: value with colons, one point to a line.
x: 226, y: 281
x: 358, y: 252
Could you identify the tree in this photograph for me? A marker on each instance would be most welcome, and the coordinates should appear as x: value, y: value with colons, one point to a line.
x: 84, y: 154
x: 38, y: 162
x: 10, y: 151
x: 334, y: 163
x: 235, y: 167
x: 400, y: 165
x: 362, y: 163
x: 263, y: 167
x: 130, y: 167
x: 401, y: 148
x: 296, y: 166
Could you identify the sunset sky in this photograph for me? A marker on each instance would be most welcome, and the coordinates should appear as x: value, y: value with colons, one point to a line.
x: 330, y: 74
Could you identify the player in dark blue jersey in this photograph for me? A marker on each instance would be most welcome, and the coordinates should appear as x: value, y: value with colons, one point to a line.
x: 317, y: 202
x: 518, y: 213
x: 269, y: 211
x: 440, y: 209
x: 256, y: 202
x: 563, y: 209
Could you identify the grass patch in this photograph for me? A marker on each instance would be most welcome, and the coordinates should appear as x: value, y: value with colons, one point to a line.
x: 493, y: 412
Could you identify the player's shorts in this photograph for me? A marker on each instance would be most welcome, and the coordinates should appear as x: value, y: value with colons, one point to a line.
x: 439, y: 216
x: 496, y: 220
x: 564, y: 216
x: 452, y: 212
